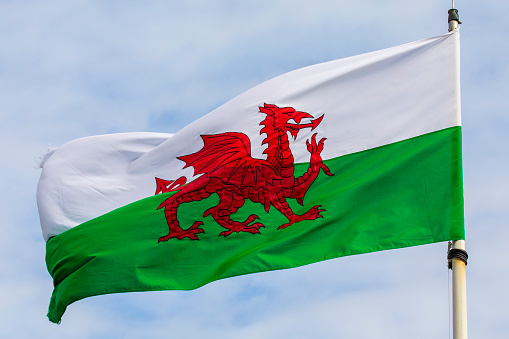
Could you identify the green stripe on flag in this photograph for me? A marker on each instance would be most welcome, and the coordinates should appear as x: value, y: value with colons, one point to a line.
x: 403, y: 194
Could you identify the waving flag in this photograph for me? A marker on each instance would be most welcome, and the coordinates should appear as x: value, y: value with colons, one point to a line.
x: 350, y: 156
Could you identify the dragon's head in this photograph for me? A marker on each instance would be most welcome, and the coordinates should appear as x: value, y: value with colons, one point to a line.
x: 278, y: 118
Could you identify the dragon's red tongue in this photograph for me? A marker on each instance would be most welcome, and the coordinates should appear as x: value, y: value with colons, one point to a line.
x: 295, y: 128
x: 316, y: 122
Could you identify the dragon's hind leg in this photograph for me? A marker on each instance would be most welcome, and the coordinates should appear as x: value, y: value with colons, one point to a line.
x: 170, y: 210
x: 230, y: 203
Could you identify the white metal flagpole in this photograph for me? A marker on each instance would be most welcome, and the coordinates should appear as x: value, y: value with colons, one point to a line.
x: 457, y: 255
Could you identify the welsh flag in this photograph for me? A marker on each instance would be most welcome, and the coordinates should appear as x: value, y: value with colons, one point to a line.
x: 350, y: 156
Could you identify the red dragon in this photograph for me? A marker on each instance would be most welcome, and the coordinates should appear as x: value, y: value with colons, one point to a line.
x: 229, y: 170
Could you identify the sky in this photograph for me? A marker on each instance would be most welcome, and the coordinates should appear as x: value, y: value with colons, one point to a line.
x: 80, y: 68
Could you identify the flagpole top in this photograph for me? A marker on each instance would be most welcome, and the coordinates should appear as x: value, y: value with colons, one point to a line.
x: 454, y: 19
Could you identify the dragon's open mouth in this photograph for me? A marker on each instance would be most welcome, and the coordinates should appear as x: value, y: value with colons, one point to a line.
x: 295, y: 128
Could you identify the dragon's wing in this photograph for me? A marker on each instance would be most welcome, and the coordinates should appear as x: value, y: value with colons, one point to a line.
x: 227, y: 156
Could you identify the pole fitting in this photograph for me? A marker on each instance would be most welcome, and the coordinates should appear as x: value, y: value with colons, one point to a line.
x: 458, y: 254
x: 454, y: 16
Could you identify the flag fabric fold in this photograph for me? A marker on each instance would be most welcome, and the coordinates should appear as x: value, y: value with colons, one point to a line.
x: 346, y: 157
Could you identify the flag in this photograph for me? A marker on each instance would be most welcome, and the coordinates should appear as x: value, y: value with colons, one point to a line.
x: 345, y: 157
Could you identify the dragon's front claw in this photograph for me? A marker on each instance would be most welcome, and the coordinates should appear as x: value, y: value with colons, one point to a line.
x: 319, y: 148
x: 314, y: 147
x: 314, y: 212
x: 165, y: 238
x: 311, y: 145
x: 326, y: 170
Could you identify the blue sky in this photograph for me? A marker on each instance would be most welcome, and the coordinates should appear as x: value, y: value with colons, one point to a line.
x: 73, y: 69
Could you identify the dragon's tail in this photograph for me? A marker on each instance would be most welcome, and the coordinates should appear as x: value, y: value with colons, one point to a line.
x: 164, y: 186
x: 185, y: 195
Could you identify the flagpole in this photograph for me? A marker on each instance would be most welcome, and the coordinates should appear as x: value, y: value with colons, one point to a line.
x: 457, y: 256
x: 454, y: 19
